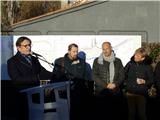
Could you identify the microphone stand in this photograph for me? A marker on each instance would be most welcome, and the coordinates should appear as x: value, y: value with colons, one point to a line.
x: 66, y: 71
x: 68, y: 75
x: 44, y: 60
x: 38, y: 57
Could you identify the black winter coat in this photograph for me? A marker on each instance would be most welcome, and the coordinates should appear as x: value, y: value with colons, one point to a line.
x: 134, y: 70
x: 157, y: 76
x: 25, y: 75
x: 101, y: 74
x: 74, y: 70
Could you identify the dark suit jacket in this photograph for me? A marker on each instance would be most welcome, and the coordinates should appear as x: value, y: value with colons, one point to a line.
x: 157, y: 76
x: 25, y: 75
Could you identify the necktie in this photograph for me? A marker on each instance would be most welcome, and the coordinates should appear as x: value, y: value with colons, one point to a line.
x: 28, y: 58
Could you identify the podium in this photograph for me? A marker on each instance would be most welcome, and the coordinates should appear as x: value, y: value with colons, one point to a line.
x: 60, y: 105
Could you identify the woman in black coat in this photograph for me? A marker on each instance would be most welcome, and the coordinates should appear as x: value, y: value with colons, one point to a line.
x: 138, y: 78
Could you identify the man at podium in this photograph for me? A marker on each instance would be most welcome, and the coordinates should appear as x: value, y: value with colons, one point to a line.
x: 25, y: 71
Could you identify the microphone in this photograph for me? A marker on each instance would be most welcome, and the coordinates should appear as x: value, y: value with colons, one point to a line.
x: 36, y: 54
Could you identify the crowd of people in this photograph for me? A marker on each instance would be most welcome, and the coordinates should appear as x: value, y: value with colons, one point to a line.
x: 107, y: 90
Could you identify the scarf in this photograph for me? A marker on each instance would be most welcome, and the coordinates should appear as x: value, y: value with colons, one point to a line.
x: 111, y: 65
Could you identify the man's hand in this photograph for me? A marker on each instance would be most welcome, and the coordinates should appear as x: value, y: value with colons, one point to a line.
x: 140, y: 81
x: 111, y: 86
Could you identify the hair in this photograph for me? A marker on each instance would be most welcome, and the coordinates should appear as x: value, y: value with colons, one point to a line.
x: 141, y: 51
x: 21, y: 39
x: 107, y: 43
x: 72, y: 45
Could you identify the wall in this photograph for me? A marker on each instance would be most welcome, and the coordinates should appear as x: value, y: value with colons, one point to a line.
x: 100, y: 16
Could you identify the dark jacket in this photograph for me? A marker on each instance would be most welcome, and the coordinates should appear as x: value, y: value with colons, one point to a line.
x: 25, y: 75
x: 134, y: 70
x: 157, y: 76
x: 101, y: 74
x: 66, y: 69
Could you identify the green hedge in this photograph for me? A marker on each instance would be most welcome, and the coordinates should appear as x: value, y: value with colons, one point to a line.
x: 153, y: 51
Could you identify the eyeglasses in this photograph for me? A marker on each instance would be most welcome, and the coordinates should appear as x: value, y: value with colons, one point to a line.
x: 28, y: 45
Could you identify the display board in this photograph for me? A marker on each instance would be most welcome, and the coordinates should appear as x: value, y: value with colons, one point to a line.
x: 52, y: 47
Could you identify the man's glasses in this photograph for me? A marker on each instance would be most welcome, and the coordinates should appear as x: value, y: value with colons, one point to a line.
x: 28, y: 45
